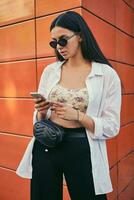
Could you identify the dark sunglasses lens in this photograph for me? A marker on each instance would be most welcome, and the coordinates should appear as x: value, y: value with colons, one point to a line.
x: 62, y: 42
x: 53, y: 44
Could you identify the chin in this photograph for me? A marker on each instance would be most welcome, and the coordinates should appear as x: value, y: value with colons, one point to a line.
x: 65, y: 57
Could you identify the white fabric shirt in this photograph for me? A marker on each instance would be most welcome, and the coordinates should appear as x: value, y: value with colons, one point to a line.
x: 104, y: 90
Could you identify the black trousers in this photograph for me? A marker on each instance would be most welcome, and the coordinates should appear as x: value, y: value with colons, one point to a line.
x: 72, y: 157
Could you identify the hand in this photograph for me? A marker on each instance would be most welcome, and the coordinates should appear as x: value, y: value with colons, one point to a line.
x: 64, y: 111
x: 42, y: 105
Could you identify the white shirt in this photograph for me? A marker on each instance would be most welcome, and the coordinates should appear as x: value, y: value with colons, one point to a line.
x: 104, y: 90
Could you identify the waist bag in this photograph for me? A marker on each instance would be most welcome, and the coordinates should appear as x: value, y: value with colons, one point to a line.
x: 48, y: 133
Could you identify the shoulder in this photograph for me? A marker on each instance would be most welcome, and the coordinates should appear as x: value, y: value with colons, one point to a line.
x: 52, y: 67
x: 109, y: 72
x: 109, y: 75
x: 111, y: 80
x: 47, y: 75
x: 49, y: 70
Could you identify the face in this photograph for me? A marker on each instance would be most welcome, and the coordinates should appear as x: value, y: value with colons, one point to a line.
x: 67, y: 48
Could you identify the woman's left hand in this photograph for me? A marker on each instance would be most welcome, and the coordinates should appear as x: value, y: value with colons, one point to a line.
x: 64, y: 111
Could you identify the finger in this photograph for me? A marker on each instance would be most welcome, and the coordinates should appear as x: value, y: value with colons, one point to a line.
x: 43, y: 104
x: 61, y: 116
x: 60, y: 113
x: 52, y: 108
x: 44, y: 107
x: 50, y: 103
x: 60, y: 109
x: 58, y: 104
x: 39, y: 108
x: 37, y: 100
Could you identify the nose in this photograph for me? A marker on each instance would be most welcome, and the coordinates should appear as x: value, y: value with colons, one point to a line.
x: 59, y: 47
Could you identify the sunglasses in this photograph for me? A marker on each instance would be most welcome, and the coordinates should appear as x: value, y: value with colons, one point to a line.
x: 62, y: 41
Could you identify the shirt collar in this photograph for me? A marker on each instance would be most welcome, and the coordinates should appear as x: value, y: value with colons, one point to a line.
x: 96, y: 69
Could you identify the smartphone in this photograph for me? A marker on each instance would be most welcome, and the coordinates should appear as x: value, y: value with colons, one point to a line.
x: 36, y: 95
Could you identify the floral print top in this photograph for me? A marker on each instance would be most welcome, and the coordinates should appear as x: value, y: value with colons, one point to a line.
x: 77, y: 98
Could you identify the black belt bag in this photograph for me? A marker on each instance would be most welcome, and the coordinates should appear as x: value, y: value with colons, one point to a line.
x: 48, y: 133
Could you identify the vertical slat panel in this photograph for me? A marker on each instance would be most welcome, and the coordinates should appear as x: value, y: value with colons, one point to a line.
x: 16, y: 116
x: 17, y: 41
x: 14, y: 11
x: 12, y: 187
x: 49, y: 6
x: 21, y: 78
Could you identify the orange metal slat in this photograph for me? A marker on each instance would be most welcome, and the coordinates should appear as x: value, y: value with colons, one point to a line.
x: 49, y: 6
x: 127, y: 112
x: 125, y: 171
x: 17, y: 78
x: 11, y: 150
x: 16, y: 116
x: 17, y: 41
x: 14, y: 11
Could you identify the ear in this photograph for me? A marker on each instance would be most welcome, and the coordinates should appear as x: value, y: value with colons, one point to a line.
x: 80, y: 39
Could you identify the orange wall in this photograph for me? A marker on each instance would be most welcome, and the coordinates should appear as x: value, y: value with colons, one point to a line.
x: 24, y: 51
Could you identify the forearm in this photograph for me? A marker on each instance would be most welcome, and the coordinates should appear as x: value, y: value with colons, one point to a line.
x: 86, y: 121
x: 41, y: 116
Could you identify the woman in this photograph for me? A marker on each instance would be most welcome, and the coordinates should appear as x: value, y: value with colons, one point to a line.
x: 83, y: 95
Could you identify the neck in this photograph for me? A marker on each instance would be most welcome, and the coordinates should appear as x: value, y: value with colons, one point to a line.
x: 77, y: 61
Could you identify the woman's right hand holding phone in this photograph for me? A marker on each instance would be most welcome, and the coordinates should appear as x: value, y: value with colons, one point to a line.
x: 42, y: 105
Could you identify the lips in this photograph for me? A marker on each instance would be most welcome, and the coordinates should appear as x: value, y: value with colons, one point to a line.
x: 63, y: 52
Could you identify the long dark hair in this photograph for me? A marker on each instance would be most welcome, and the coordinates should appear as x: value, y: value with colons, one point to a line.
x: 89, y: 47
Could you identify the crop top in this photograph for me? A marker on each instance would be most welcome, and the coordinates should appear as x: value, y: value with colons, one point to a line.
x: 77, y: 98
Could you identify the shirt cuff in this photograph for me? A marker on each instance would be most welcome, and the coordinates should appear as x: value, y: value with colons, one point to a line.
x: 98, y: 129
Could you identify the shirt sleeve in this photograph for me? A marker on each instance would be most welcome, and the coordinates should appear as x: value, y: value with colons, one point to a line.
x: 108, y: 125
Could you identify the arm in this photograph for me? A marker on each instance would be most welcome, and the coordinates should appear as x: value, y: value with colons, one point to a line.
x: 41, y: 116
x: 38, y: 115
x: 86, y: 121
x: 108, y: 124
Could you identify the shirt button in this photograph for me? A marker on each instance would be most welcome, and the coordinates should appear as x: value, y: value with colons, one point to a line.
x: 46, y: 150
